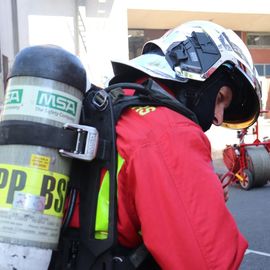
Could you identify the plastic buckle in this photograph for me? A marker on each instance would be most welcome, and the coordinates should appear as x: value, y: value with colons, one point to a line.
x: 86, y: 145
x: 100, y: 100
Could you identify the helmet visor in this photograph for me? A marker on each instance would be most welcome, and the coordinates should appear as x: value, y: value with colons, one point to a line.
x: 245, y: 107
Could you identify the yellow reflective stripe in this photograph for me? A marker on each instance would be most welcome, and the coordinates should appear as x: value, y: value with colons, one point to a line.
x: 102, y: 215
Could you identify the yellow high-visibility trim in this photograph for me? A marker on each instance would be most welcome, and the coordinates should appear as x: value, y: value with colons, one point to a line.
x: 102, y: 215
x: 239, y: 125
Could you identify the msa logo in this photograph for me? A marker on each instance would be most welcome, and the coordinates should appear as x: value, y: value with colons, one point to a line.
x: 57, y: 102
x: 14, y: 96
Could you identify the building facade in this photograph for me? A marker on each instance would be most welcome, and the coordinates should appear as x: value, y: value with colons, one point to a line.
x: 99, y: 31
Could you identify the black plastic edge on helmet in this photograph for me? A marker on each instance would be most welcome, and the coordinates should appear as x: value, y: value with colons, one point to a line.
x: 197, y: 53
x: 50, y: 62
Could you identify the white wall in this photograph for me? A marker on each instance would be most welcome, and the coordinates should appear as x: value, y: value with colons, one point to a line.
x: 52, y: 22
x: 265, y: 82
x: 39, y: 22
x: 46, y: 22
x: 6, y: 38
x: 6, y: 34
x: 106, y: 41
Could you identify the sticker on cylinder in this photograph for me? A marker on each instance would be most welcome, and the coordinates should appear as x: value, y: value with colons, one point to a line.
x: 39, y: 161
x: 31, y: 187
x: 28, y: 201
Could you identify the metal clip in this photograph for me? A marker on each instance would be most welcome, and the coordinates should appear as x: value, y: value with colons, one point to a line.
x: 86, y: 145
x: 100, y: 100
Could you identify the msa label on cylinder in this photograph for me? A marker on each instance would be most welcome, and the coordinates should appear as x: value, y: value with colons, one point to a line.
x: 42, y: 102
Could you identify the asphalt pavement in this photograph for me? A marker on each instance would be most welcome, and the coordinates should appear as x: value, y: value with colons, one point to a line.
x: 251, y: 210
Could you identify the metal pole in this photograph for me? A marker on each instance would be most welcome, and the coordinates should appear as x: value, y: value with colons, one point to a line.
x: 15, y: 29
x: 76, y: 28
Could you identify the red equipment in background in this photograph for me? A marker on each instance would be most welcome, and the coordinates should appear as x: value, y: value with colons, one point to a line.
x: 249, y: 163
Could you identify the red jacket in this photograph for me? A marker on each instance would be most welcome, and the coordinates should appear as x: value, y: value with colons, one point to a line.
x: 169, y: 193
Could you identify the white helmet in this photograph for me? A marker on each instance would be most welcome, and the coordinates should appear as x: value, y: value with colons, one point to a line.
x: 194, y: 51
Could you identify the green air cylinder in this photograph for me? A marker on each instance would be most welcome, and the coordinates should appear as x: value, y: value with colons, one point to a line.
x: 45, y: 88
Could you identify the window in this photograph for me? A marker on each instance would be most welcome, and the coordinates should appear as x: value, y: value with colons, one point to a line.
x: 267, y: 70
x: 260, y: 69
x: 136, y: 40
x: 258, y: 40
x: 263, y: 69
x: 138, y: 37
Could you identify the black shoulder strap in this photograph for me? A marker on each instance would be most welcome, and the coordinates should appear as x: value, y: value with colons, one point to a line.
x: 150, y: 93
x: 79, y: 249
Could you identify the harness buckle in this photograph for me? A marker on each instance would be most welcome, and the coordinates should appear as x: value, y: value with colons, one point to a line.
x: 86, y: 145
x: 100, y: 100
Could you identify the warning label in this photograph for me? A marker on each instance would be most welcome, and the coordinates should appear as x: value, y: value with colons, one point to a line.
x: 41, y: 162
x: 33, y: 188
x: 31, y: 228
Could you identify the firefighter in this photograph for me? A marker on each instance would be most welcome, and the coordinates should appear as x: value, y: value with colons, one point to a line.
x: 169, y: 196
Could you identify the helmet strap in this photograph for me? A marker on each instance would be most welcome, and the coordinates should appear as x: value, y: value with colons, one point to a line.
x: 201, y: 97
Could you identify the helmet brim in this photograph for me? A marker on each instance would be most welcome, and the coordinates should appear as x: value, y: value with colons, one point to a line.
x: 151, y: 64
